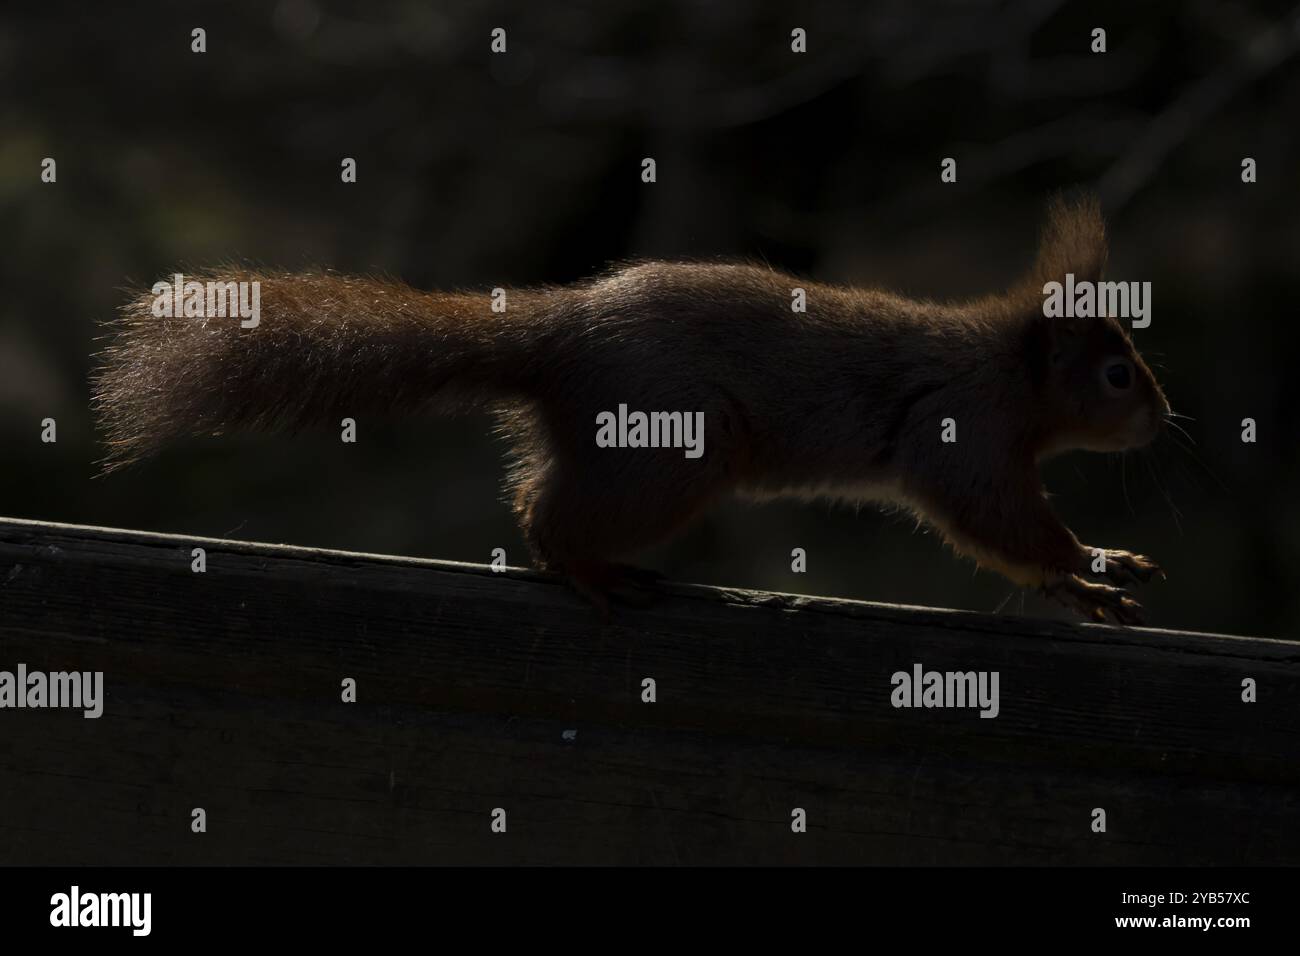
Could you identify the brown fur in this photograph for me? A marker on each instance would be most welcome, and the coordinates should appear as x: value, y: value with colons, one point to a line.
x: 844, y: 401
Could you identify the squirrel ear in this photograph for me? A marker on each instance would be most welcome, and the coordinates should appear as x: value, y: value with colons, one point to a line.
x: 1073, y: 241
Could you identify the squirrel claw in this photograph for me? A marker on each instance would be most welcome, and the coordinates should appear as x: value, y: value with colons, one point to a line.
x: 1096, y: 601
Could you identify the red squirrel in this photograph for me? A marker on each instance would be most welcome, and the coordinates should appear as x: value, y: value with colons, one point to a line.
x: 846, y: 399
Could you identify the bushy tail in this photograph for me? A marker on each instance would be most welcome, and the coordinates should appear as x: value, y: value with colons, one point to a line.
x: 325, y: 346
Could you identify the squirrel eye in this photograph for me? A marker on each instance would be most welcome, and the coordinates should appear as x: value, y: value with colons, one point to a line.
x: 1118, y: 374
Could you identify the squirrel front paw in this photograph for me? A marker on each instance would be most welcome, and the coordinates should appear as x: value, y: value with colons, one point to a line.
x: 1096, y: 601
x: 1124, y: 567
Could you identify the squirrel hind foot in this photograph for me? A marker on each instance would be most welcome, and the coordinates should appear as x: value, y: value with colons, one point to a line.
x: 604, y: 583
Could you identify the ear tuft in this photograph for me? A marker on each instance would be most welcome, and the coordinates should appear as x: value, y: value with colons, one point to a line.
x: 1073, y: 240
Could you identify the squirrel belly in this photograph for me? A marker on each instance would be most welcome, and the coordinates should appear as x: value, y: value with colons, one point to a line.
x: 600, y: 384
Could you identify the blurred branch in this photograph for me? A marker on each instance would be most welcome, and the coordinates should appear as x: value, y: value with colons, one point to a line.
x: 1268, y: 50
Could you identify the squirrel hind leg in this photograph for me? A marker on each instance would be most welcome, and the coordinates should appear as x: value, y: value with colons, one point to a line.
x: 579, y: 522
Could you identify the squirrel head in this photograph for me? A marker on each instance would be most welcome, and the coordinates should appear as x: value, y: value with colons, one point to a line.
x: 1093, y: 391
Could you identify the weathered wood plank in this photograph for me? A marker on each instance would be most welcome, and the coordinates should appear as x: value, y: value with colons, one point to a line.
x: 223, y: 692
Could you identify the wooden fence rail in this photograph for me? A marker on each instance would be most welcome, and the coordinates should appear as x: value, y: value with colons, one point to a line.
x: 478, y: 691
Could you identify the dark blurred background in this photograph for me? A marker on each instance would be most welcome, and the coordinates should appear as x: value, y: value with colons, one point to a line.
x: 477, y: 170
